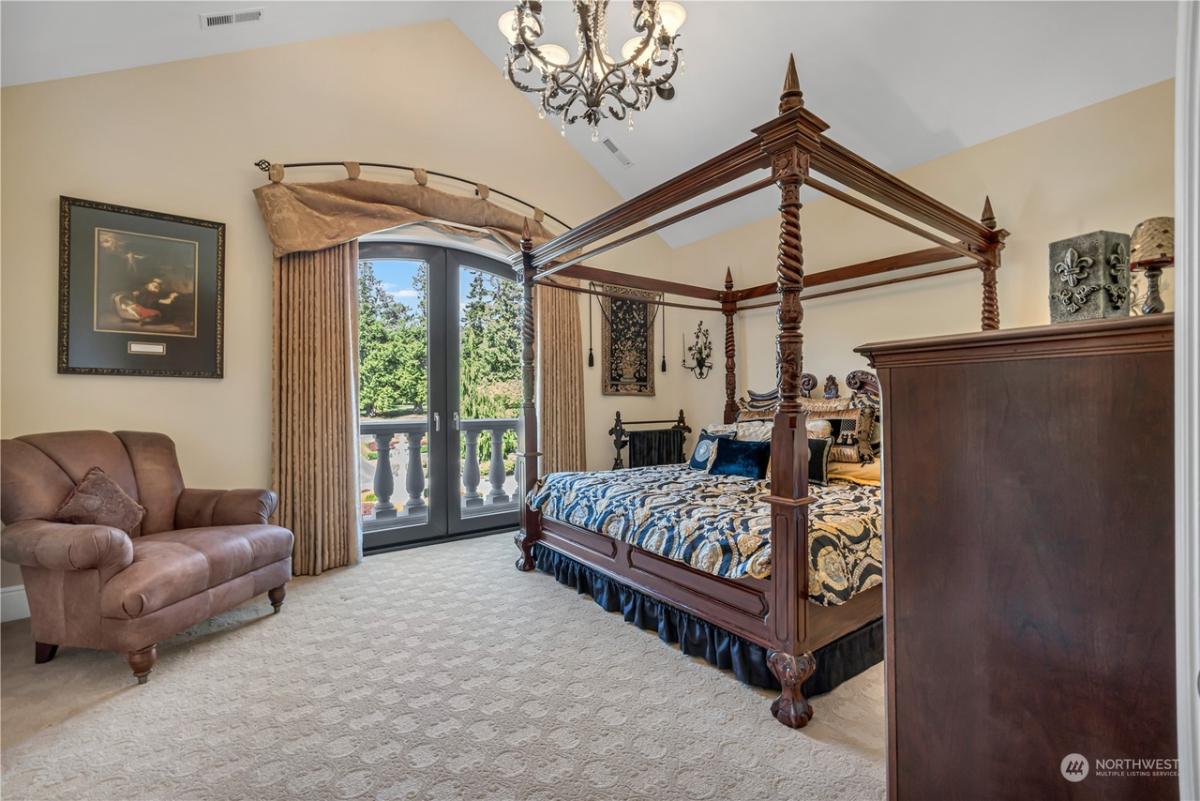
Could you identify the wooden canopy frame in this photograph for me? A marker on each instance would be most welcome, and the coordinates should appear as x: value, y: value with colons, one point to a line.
x: 772, y: 612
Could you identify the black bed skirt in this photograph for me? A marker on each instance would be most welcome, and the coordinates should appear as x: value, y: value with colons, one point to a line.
x: 842, y: 659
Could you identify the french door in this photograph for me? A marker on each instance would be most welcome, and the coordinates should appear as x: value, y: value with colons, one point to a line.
x: 438, y: 393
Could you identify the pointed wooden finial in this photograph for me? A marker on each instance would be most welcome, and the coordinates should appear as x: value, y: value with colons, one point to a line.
x: 728, y: 279
x: 792, y: 97
x: 988, y: 218
x: 526, y: 237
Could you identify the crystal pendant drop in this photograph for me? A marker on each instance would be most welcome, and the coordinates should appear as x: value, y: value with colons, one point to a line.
x: 541, y: 113
x: 631, y: 120
x: 595, y: 134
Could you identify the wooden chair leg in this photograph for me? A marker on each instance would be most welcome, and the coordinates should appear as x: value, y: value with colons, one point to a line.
x: 791, y: 708
x: 276, y: 595
x: 142, y: 662
x: 43, y: 652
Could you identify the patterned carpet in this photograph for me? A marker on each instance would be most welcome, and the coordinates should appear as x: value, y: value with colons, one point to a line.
x: 435, y: 673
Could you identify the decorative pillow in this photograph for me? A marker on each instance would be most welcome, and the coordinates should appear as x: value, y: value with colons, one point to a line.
x: 851, y: 427
x: 819, y: 428
x: 755, y: 430
x: 706, y: 449
x: 818, y: 460
x: 748, y: 412
x: 760, y: 401
x: 741, y: 458
x: 100, y: 501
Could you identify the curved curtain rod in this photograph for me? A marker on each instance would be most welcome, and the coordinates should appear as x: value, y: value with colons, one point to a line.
x: 265, y: 166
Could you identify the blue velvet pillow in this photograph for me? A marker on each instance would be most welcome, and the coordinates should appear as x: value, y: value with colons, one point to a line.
x: 737, y: 457
x: 702, y: 456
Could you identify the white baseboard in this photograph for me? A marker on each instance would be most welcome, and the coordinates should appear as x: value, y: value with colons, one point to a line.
x: 13, y: 603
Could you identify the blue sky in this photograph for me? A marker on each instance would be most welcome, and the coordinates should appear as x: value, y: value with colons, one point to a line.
x: 397, y: 275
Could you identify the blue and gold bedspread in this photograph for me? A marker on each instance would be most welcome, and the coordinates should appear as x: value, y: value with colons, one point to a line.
x: 722, y: 524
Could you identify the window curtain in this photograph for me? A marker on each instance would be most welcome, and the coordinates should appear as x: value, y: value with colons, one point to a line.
x: 314, y: 431
x: 314, y: 228
x: 560, y: 393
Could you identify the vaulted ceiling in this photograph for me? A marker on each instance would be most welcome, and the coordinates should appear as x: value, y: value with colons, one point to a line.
x: 901, y: 83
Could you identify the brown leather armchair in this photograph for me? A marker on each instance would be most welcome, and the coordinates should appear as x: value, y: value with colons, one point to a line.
x: 195, y: 554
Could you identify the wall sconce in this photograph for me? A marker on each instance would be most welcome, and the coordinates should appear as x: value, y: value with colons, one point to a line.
x: 701, y: 353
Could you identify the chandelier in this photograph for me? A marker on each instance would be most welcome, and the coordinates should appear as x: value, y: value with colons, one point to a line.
x: 593, y: 85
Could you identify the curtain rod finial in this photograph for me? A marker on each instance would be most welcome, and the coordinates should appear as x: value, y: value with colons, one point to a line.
x: 728, y: 279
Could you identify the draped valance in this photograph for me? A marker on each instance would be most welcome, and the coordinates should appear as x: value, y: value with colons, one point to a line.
x: 314, y: 216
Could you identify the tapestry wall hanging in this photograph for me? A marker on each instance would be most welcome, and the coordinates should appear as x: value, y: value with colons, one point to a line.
x: 627, y: 339
x: 140, y: 292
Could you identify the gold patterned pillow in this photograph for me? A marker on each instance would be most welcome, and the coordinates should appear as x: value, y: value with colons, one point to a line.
x: 851, y: 427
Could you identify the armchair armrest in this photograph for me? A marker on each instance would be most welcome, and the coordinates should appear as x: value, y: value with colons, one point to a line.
x: 66, y: 546
x: 200, y: 507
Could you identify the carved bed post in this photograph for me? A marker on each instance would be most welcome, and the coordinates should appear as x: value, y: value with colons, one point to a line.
x: 789, y: 140
x: 531, y: 523
x: 990, y: 317
x: 729, y: 309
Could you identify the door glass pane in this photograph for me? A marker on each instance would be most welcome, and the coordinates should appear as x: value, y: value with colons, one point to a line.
x: 489, y: 310
x: 393, y: 392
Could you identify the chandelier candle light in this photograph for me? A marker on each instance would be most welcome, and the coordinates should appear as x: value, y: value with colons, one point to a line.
x: 594, y: 85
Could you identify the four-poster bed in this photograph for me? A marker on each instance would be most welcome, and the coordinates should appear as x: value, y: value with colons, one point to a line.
x: 775, y: 612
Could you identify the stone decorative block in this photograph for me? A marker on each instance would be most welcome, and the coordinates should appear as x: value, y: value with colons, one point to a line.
x: 1089, y: 277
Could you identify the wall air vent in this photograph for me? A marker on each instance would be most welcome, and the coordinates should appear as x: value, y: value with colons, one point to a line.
x: 616, y: 151
x: 230, y: 18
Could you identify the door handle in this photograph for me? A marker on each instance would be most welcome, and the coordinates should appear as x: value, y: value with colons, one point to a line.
x: 437, y: 422
x: 455, y: 421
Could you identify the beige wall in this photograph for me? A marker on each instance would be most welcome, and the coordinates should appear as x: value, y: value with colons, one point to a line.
x: 1107, y: 166
x: 182, y: 138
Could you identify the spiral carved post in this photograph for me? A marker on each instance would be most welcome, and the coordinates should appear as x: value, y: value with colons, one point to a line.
x: 729, y: 309
x: 528, y: 458
x: 789, y: 140
x: 990, y: 317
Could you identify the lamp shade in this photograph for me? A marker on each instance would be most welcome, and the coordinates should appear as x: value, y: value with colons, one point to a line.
x: 1153, y: 242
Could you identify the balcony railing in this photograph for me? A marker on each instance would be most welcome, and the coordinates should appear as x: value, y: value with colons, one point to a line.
x: 414, y: 509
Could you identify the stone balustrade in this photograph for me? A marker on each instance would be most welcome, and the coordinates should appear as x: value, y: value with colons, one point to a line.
x: 413, y: 431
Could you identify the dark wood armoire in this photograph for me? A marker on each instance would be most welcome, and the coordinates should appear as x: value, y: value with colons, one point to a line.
x: 1029, y: 562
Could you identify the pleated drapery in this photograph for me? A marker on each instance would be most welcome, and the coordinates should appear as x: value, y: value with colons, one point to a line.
x: 560, y: 388
x: 314, y: 437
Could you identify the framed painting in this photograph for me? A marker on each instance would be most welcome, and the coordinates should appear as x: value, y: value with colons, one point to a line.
x: 139, y: 292
x: 627, y: 339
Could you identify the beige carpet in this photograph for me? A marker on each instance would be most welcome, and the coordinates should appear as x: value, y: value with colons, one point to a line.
x: 435, y: 673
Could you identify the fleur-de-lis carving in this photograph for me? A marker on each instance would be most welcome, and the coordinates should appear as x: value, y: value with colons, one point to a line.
x: 1074, y: 299
x: 1117, y: 294
x: 1118, y: 260
x: 1073, y: 268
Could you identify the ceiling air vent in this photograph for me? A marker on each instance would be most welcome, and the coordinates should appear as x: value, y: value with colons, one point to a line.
x: 616, y: 151
x: 230, y: 18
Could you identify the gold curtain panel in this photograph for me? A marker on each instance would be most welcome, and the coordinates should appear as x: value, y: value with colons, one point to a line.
x: 314, y: 442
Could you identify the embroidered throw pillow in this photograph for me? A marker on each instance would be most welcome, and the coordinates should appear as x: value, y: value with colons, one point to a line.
x: 818, y: 460
x: 748, y: 412
x: 851, y: 427
x: 100, y: 501
x: 706, y: 449
x: 755, y: 430
x: 741, y: 458
x: 819, y: 428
